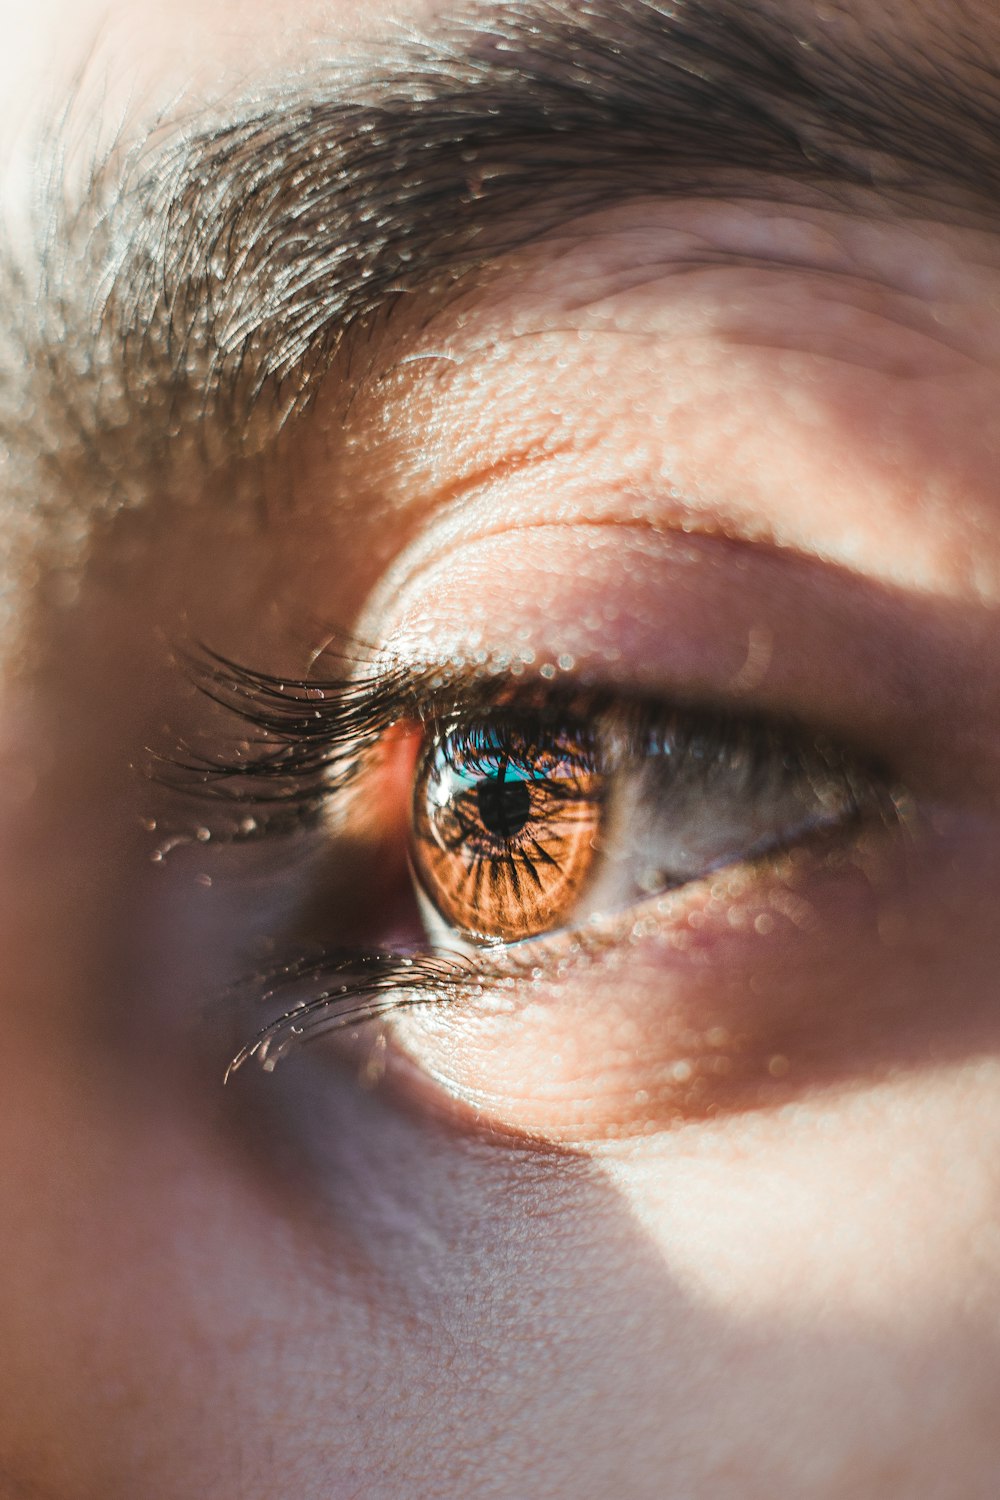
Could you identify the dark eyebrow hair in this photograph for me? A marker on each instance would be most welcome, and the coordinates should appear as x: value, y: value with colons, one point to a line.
x: 194, y: 296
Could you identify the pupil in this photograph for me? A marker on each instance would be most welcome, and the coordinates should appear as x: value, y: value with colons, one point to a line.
x: 504, y: 806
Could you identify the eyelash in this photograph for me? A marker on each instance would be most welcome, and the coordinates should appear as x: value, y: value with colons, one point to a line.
x: 310, y: 738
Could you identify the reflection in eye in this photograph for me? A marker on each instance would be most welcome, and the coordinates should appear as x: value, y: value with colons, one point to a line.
x: 505, y: 828
x: 522, y: 825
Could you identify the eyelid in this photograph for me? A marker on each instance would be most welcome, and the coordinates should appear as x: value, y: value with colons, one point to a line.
x: 310, y: 737
x: 707, y: 619
x: 697, y: 620
x: 342, y: 990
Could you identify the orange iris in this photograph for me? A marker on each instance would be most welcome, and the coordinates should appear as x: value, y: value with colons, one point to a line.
x: 505, y: 829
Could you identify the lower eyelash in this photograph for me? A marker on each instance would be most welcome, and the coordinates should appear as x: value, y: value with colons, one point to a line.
x: 345, y: 988
x: 354, y: 988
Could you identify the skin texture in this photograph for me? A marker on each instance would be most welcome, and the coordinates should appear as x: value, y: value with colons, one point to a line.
x: 712, y: 1213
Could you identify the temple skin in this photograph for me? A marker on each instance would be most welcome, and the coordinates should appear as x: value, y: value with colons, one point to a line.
x: 749, y: 434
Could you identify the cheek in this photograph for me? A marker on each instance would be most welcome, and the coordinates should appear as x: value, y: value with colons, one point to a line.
x: 856, y: 1213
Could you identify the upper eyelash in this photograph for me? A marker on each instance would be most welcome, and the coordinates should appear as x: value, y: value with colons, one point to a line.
x: 310, y: 736
x: 305, y: 731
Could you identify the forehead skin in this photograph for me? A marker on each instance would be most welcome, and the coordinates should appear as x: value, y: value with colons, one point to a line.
x: 303, y: 1293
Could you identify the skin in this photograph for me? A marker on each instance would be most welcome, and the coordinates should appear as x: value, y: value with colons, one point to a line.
x: 502, y: 1255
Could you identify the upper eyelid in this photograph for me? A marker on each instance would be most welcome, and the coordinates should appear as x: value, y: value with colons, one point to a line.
x: 309, y: 737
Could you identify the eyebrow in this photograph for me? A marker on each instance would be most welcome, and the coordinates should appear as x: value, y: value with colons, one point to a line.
x: 194, y: 297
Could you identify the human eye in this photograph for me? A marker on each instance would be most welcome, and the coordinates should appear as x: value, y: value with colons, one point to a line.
x: 561, y: 851
x: 535, y: 819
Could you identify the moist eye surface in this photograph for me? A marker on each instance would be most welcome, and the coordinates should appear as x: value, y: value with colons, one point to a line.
x: 506, y: 827
x: 522, y: 826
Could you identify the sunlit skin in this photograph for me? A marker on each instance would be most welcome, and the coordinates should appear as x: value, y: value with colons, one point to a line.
x: 712, y: 1210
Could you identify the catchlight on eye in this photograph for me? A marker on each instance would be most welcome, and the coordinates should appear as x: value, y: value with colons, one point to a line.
x: 505, y: 828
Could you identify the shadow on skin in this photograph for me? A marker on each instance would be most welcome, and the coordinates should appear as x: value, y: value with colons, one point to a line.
x: 525, y: 1336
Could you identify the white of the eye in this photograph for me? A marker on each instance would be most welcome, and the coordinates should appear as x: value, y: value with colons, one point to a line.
x: 661, y: 833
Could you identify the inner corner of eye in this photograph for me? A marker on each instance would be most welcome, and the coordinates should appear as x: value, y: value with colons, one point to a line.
x: 399, y: 751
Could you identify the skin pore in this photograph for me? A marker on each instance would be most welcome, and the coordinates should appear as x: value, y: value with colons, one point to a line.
x: 709, y: 1209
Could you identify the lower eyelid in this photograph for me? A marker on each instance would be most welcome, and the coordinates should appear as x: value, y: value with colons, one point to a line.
x: 725, y: 900
x: 726, y: 995
x: 342, y: 990
x: 736, y: 993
